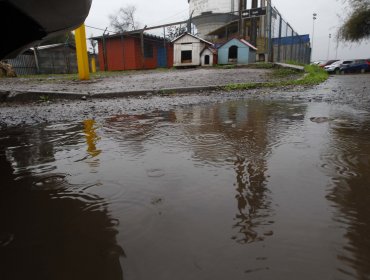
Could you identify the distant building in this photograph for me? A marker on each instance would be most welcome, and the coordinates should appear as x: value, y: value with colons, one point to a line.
x: 131, y: 51
x: 187, y: 50
x: 237, y: 51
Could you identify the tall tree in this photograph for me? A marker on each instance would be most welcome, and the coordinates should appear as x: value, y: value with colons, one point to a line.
x: 124, y: 19
x: 175, y: 31
x: 356, y: 27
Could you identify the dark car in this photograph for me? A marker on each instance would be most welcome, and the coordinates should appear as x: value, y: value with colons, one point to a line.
x: 23, y: 23
x: 357, y: 66
x: 327, y: 62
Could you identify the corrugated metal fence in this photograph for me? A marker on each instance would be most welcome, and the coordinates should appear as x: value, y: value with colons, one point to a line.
x: 24, y: 64
x: 47, y: 62
x: 284, y: 43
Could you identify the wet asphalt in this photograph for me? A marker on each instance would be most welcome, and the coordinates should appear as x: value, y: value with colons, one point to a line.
x: 351, y: 90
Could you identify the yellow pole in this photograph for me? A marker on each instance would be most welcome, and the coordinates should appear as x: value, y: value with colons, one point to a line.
x: 93, y: 65
x: 81, y: 49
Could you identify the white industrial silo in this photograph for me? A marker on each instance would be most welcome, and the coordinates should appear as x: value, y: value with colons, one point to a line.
x: 209, y: 15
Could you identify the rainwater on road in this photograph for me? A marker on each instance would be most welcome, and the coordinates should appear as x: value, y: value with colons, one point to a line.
x: 239, y: 189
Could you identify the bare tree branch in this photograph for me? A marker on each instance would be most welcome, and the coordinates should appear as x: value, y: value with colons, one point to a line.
x: 124, y: 19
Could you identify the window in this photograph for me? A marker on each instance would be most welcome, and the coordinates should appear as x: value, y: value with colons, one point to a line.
x: 148, y: 50
x: 186, y: 56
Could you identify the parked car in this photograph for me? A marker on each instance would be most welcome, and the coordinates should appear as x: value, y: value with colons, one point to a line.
x: 317, y: 62
x: 327, y: 62
x: 357, y: 66
x: 24, y: 23
x: 335, y: 67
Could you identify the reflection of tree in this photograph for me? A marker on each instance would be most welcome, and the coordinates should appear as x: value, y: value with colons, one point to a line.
x: 246, y: 133
x: 49, y: 228
x: 348, y: 161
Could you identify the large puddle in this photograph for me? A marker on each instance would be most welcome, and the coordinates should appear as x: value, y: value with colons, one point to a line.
x: 235, y: 190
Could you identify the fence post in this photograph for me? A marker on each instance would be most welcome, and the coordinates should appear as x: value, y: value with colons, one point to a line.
x: 279, y: 41
x: 270, y: 31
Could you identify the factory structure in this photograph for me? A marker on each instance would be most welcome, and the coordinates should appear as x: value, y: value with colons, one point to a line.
x: 255, y: 21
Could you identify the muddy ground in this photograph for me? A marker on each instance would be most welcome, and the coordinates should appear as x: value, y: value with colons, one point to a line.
x: 348, y: 89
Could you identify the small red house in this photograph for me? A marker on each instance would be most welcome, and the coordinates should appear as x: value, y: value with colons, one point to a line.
x: 133, y: 51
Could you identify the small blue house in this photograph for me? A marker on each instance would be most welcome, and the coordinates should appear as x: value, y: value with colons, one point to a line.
x: 237, y: 51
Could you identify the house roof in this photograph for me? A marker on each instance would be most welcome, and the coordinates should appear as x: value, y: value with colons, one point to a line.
x: 242, y: 41
x: 211, y: 49
x: 196, y: 37
x: 134, y: 33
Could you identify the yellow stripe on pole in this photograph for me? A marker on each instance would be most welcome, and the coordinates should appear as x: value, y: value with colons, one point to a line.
x: 81, y: 49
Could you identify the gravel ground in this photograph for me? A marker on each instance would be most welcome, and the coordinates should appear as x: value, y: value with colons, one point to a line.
x: 140, y: 80
x: 351, y: 90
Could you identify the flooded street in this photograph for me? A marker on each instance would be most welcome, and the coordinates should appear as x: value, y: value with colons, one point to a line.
x: 236, y: 189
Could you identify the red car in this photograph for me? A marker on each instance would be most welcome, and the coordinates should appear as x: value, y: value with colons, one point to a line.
x: 328, y: 62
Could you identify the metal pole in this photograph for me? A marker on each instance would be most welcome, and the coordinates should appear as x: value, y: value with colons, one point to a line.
x: 240, y: 18
x: 279, y: 41
x: 314, y: 17
x: 81, y: 49
x: 329, y: 47
x: 105, y: 51
x: 270, y: 59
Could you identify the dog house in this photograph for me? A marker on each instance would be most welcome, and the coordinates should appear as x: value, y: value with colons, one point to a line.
x: 188, y: 49
x: 237, y: 51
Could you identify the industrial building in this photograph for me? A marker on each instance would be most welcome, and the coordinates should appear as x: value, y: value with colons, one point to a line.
x: 255, y: 21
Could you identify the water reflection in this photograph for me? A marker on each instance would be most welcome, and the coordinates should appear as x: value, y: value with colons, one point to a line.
x: 244, y: 134
x: 50, y: 228
x: 347, y: 161
x: 192, y: 193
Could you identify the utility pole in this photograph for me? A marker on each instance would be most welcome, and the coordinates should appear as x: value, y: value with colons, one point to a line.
x: 241, y: 19
x: 329, y: 47
x: 253, y: 38
x: 314, y: 17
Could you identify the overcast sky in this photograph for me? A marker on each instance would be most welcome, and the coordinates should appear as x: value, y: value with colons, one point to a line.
x: 297, y: 12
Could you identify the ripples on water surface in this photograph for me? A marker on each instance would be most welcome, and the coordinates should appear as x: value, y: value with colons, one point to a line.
x: 237, y: 190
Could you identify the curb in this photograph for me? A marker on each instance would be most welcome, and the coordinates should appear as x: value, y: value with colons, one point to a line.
x: 55, y: 95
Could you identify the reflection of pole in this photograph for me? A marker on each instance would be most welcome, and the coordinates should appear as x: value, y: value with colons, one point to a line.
x: 91, y: 138
x: 329, y: 47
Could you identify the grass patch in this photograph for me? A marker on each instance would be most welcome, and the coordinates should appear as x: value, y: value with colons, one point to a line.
x: 313, y: 75
x: 284, y: 72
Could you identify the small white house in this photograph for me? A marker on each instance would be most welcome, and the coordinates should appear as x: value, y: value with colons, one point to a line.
x: 187, y: 50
